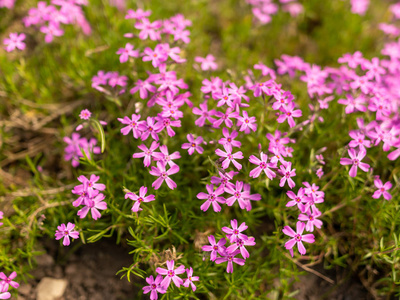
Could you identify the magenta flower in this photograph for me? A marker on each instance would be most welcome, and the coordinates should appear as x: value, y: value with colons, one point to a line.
x: 143, y: 87
x: 246, y: 123
x: 147, y: 153
x: 3, y: 292
x: 298, y: 199
x: 251, y: 197
x: 263, y: 165
x: 204, y: 114
x: 355, y: 161
x: 132, y: 125
x: 139, y: 14
x: 90, y: 183
x: 154, y: 287
x: 215, y: 247
x: 15, y: 41
x: 94, y: 204
x: 165, y: 157
x: 151, y: 128
x: 234, y: 233
x: 289, y: 113
x: 224, y: 178
x: 171, y: 274
x: 287, y: 173
x: 311, y: 218
x: 358, y: 140
x: 207, y: 63
x: 148, y: 30
x: 50, y: 31
x: 297, y: 237
x: 212, y: 198
x: 225, y: 117
x: 319, y: 173
x: 127, y: 52
x: 1, y: 217
x: 320, y: 159
x: 193, y: 144
x: 66, y: 232
x: 8, y: 281
x: 230, y: 157
x: 353, y: 104
x: 229, y: 138
x: 163, y: 175
x: 157, y: 57
x: 382, y: 189
x: 190, y: 278
x: 139, y: 199
x: 85, y: 114
x: 239, y: 243
x: 237, y: 194
x: 230, y: 258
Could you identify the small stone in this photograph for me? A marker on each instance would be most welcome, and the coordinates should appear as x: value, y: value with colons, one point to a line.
x: 50, y: 288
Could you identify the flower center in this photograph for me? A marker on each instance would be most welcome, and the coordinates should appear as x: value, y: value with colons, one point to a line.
x: 193, y: 145
x: 66, y: 232
x: 297, y: 237
x: 153, y: 286
x: 171, y: 273
x: 236, y: 232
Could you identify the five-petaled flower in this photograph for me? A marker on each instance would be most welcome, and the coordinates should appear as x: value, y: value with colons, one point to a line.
x: 162, y: 174
x: 212, y: 198
x: 355, y: 161
x: 154, y: 287
x: 66, y: 232
x: 230, y: 157
x: 297, y: 237
x: 139, y: 199
x: 194, y: 144
x: 171, y: 274
x: 190, y: 278
x: 382, y: 189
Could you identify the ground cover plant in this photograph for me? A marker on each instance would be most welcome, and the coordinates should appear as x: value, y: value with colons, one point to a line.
x: 229, y: 147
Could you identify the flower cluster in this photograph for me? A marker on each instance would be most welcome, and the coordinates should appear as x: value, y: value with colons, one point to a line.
x: 7, y: 3
x: 263, y: 10
x: 238, y: 240
x: 5, y: 283
x: 160, y: 284
x: 76, y: 144
x: 51, y: 18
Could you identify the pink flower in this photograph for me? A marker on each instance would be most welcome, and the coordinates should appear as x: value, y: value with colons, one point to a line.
x: 66, y: 232
x: 289, y: 113
x: 204, y: 114
x: 355, y: 161
x: 190, y: 279
x: 212, y: 198
x: 148, y: 30
x: 139, y: 199
x: 90, y: 183
x: 157, y: 56
x: 230, y: 258
x: 143, y: 87
x: 154, y: 287
x: 297, y: 237
x: 246, y: 123
x: 171, y: 274
x: 85, y: 114
x: 353, y: 104
x: 263, y: 165
x: 1, y: 217
x: 163, y: 175
x: 225, y: 117
x: 51, y: 30
x: 319, y: 173
x: 133, y: 124
x: 165, y: 157
x: 3, y: 292
x: 15, y: 40
x: 150, y: 128
x: 229, y: 157
x: 237, y: 194
x: 127, y: 52
x: 320, y: 159
x: 298, y: 199
x: 235, y: 233
x: 229, y: 138
x: 215, y: 247
x: 94, y: 204
x: 382, y: 189
x: 147, y: 153
x: 239, y: 243
x: 207, y: 63
x: 193, y: 144
x: 287, y: 173
x: 311, y: 218
x: 358, y: 140
x: 138, y: 14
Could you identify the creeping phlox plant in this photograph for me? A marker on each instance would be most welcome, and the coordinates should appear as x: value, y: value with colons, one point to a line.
x: 178, y: 147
